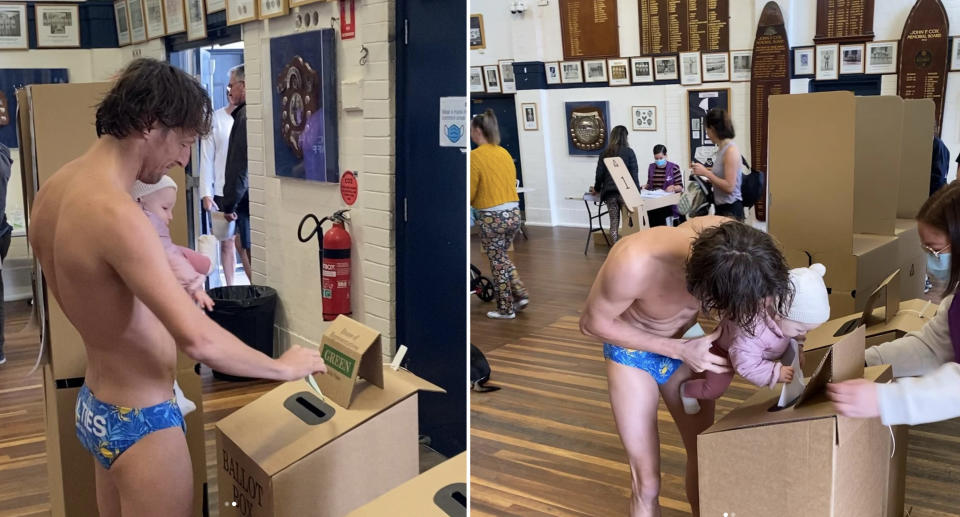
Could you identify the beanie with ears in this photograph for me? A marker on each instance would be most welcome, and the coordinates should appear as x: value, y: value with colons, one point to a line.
x: 810, y: 302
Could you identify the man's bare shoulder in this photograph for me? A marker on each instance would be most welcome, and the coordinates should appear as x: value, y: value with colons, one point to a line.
x: 638, y: 255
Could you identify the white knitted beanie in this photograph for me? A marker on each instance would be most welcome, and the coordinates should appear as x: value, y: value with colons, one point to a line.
x: 141, y: 189
x: 810, y: 302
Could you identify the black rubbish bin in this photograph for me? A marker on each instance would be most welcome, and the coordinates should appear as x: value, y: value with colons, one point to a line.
x: 248, y: 312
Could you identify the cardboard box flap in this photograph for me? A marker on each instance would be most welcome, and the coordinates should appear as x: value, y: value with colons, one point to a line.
x: 283, y: 434
x: 351, y: 350
x: 887, y: 295
x: 843, y: 362
x: 440, y: 491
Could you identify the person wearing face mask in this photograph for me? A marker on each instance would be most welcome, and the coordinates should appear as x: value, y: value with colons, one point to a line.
x: 925, y: 363
x: 663, y: 175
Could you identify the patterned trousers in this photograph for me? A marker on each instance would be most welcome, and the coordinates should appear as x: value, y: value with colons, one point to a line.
x: 497, y: 230
x: 613, y: 211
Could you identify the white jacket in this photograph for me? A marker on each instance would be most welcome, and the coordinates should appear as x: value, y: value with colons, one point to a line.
x: 213, y: 154
x: 931, y: 390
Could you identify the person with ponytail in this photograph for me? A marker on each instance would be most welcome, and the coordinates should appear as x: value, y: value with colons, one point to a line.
x: 493, y: 193
x: 603, y: 182
x: 927, y: 386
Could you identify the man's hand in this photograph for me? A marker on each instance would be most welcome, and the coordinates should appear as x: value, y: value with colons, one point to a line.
x: 300, y: 362
x: 230, y: 217
x: 786, y: 374
x: 697, y: 355
x: 855, y: 398
x: 203, y: 300
x: 208, y: 204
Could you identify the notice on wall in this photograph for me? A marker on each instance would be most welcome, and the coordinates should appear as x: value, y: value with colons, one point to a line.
x: 924, y: 51
x: 671, y: 26
x: 770, y: 75
x: 453, y: 122
x: 588, y: 29
x: 844, y: 21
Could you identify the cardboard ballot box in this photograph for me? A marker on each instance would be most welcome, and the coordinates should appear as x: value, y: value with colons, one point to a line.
x: 290, y: 453
x: 911, y: 259
x: 438, y: 492
x: 805, y: 459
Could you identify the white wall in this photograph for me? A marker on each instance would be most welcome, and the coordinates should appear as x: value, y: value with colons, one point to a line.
x: 555, y: 175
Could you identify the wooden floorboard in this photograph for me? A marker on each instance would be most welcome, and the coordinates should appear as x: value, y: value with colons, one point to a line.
x: 545, y: 444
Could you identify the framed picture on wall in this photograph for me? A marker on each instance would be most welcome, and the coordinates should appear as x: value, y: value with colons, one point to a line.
x: 476, y: 32
x: 742, y: 62
x: 827, y: 61
x: 641, y: 69
x: 644, y: 118
x: 690, y: 68
x: 851, y: 59
x: 58, y: 25
x: 174, y: 16
x: 214, y: 6
x: 530, y: 120
x: 619, y: 70
x: 699, y: 102
x: 954, y: 54
x: 491, y: 79
x: 665, y: 68
x: 881, y: 57
x: 13, y: 27
x: 121, y: 19
x: 138, y: 24
x: 156, y: 27
x: 716, y: 66
x: 803, y: 61
x: 241, y: 11
x: 595, y: 70
x: 476, y: 80
x: 552, y: 71
x: 196, y: 20
x: 507, y: 79
x: 273, y: 8
x: 571, y: 72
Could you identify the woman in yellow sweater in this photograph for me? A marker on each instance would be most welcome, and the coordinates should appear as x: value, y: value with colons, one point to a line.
x: 493, y: 192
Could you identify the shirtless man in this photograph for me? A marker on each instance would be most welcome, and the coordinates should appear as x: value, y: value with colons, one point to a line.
x: 104, y: 264
x: 644, y: 306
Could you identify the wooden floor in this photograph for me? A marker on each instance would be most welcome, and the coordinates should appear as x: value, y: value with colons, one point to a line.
x: 546, y: 444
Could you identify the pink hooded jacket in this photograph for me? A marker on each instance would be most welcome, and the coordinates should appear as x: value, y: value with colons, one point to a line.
x: 188, y: 266
x: 756, y: 358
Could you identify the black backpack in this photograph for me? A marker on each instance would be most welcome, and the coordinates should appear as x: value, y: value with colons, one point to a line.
x: 479, y: 371
x: 752, y: 186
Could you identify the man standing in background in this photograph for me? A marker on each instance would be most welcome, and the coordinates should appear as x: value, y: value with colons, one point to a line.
x: 236, y: 204
x: 213, y: 159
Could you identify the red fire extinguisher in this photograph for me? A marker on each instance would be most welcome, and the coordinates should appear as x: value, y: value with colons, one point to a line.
x: 334, y: 257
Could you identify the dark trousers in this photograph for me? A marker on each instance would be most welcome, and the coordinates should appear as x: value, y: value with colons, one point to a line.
x: 4, y: 248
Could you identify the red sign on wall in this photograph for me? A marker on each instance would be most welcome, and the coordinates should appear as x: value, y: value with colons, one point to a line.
x: 348, y: 188
x: 348, y: 20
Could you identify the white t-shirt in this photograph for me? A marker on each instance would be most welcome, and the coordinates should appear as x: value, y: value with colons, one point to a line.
x: 213, y: 154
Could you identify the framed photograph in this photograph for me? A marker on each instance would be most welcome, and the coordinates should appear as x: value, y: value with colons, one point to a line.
x: 595, y: 70
x: 552, y: 71
x: 644, y: 118
x: 530, y: 120
x: 851, y: 59
x: 742, y: 61
x: 272, y: 8
x: 214, y: 6
x: 241, y: 11
x: 641, y: 69
x: 571, y: 72
x: 156, y: 26
x: 827, y: 61
x: 196, y: 20
x: 476, y: 80
x: 13, y: 27
x: 122, y: 21
x: 699, y: 102
x: 716, y: 66
x: 666, y: 68
x: 476, y: 32
x: 175, y: 18
x: 619, y: 72
x: 881, y: 57
x: 138, y: 23
x: 507, y: 79
x: 690, y: 68
x: 58, y: 25
x: 803, y: 61
x: 491, y: 78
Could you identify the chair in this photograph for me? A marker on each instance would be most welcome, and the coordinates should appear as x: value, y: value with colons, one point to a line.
x: 595, y: 199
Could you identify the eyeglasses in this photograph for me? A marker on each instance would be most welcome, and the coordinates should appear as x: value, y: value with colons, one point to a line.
x: 936, y: 253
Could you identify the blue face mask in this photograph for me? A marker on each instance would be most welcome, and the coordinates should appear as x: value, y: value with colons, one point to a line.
x: 661, y: 163
x: 939, y: 267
